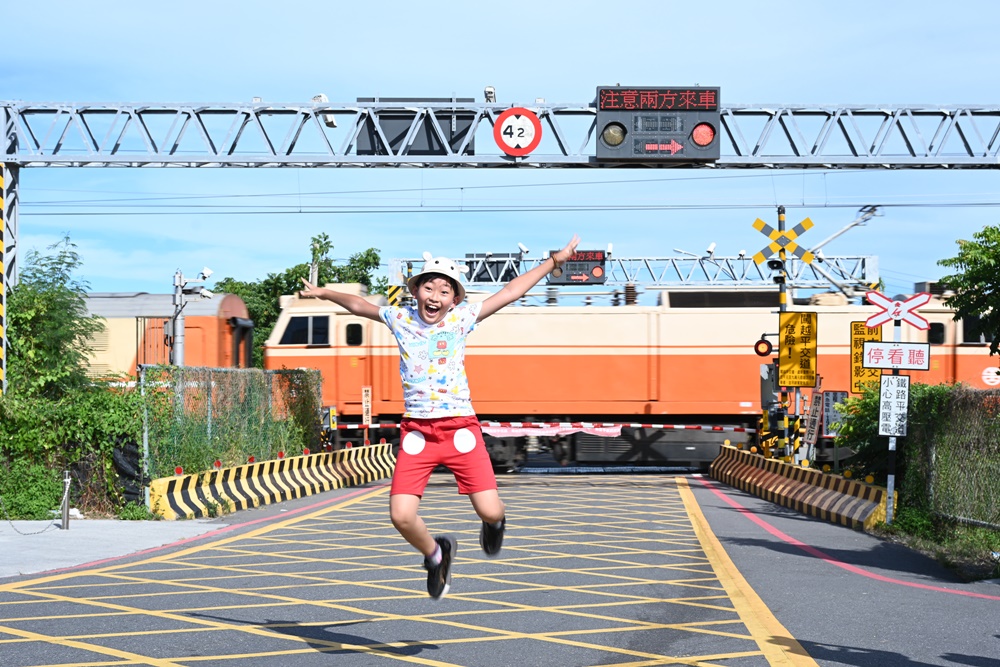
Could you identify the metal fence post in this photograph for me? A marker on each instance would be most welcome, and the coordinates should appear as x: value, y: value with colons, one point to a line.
x: 65, y: 500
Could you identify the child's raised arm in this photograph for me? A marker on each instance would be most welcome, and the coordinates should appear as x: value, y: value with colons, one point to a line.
x: 520, y: 285
x: 354, y: 304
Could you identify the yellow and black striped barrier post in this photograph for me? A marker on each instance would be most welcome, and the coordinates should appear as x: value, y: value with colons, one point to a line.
x: 828, y: 497
x: 3, y: 285
x: 265, y: 482
x: 395, y: 294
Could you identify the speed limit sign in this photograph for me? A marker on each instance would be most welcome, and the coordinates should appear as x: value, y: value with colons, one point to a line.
x: 517, y: 131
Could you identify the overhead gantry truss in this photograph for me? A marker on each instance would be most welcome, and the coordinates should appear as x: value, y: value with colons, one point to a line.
x: 460, y: 134
x: 851, y: 275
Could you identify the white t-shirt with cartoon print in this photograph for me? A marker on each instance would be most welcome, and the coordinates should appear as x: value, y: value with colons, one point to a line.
x: 432, y: 360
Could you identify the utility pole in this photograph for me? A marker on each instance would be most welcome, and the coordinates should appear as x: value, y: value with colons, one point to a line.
x: 183, y: 290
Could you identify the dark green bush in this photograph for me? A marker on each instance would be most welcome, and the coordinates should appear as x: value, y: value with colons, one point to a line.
x: 29, y: 490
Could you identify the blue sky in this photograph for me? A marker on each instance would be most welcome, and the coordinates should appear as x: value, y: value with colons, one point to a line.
x: 892, y: 53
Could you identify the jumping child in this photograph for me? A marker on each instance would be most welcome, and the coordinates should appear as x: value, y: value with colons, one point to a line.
x: 439, y: 425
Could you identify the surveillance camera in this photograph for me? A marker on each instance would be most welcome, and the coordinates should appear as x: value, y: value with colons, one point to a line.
x: 743, y: 253
x: 490, y: 93
x: 206, y: 273
x: 711, y: 248
x: 610, y: 247
x: 205, y: 293
x: 523, y: 248
x: 328, y: 118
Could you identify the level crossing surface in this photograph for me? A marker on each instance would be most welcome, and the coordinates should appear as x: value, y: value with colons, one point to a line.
x: 609, y: 570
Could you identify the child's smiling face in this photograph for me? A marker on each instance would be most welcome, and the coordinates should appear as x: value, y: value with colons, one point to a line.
x: 435, y: 297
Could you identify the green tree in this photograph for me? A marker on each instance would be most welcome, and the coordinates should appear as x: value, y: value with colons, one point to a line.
x: 48, y: 325
x: 263, y: 297
x: 976, y: 282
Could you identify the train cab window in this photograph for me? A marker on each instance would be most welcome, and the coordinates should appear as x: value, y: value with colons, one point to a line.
x: 935, y: 336
x: 972, y: 332
x: 320, y: 331
x: 303, y: 330
x: 354, y: 334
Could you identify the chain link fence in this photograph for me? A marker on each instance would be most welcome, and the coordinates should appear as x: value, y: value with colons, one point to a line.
x: 195, y: 417
x: 956, y: 462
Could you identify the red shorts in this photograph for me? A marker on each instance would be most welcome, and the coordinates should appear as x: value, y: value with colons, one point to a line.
x: 455, y: 442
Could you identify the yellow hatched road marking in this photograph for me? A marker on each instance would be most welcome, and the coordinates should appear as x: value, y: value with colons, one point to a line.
x: 731, y: 609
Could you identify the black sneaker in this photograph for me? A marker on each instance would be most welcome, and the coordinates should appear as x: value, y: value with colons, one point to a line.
x: 439, y: 576
x: 490, y: 538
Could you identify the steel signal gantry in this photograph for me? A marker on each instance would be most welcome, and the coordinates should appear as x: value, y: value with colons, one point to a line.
x: 850, y: 274
x: 385, y: 133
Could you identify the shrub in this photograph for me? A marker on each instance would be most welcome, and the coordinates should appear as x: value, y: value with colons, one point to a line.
x: 29, y: 490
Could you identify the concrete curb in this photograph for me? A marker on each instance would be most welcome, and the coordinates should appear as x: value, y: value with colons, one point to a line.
x: 254, y: 484
x: 828, y: 497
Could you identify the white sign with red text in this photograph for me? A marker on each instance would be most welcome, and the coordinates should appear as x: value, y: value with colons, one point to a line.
x: 902, y: 356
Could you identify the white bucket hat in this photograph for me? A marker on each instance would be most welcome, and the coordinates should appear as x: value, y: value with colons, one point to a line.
x: 445, y: 267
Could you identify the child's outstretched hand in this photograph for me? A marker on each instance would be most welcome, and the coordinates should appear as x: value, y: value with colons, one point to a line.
x: 311, y: 291
x: 560, y: 257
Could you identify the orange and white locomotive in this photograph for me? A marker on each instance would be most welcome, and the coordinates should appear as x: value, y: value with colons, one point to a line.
x: 679, y: 380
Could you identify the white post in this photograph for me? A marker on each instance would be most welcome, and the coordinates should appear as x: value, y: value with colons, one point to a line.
x: 178, y: 318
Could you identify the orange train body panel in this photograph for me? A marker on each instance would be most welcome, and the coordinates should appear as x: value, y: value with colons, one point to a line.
x: 134, y: 332
x: 578, y: 361
x: 622, y: 364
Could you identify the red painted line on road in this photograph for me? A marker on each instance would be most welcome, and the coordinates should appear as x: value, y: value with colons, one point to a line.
x: 813, y: 551
x: 214, y: 533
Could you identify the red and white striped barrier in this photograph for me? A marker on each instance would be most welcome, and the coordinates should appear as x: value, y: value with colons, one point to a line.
x: 607, y: 429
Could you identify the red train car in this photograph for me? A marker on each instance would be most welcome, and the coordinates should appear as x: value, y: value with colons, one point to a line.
x: 218, y: 332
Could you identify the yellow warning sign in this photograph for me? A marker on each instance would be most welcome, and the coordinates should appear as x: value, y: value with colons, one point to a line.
x: 860, y: 376
x: 797, y: 349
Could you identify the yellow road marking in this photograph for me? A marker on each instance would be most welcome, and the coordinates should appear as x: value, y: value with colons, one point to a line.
x: 778, y: 645
x: 133, y: 658
x: 708, y: 589
x: 15, y: 586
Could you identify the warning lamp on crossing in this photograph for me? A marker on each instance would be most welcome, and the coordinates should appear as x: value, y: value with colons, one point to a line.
x: 703, y: 134
x: 662, y: 124
x: 613, y: 134
x: 763, y: 347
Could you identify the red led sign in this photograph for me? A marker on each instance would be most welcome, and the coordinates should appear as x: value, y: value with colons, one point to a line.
x: 658, y: 99
x: 585, y: 267
x: 587, y: 256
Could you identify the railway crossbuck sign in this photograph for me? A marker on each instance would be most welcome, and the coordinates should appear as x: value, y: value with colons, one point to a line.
x: 893, y: 309
x: 784, y: 240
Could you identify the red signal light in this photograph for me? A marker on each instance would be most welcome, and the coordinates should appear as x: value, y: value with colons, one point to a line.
x: 763, y: 347
x: 703, y: 134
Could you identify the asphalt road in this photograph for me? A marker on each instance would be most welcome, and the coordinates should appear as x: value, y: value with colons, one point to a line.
x: 637, y: 569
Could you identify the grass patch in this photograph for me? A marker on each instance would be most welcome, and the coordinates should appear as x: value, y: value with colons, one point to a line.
x: 137, y: 512
x: 965, y: 550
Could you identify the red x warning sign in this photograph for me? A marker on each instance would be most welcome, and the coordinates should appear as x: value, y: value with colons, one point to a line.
x: 893, y: 309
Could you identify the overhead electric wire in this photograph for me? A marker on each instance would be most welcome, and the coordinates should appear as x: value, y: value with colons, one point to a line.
x: 448, y: 187
x: 470, y: 208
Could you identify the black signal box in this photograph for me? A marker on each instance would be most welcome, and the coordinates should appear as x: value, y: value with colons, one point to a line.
x: 585, y: 267
x: 658, y: 124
